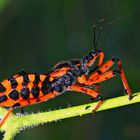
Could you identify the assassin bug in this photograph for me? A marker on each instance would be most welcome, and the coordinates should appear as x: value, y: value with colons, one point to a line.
x: 26, y: 89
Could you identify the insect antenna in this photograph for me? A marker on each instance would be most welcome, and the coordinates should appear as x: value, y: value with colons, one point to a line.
x: 104, y: 25
x: 96, y: 39
x: 98, y: 36
x: 117, y: 19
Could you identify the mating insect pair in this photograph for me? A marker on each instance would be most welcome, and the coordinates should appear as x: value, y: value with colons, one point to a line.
x: 26, y: 89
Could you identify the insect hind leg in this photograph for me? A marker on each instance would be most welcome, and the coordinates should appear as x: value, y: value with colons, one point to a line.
x: 93, y: 93
x: 6, y: 116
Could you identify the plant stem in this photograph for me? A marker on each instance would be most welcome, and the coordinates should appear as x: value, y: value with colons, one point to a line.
x: 15, y: 123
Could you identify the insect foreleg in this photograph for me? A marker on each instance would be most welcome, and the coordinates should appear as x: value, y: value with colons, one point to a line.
x: 102, y: 74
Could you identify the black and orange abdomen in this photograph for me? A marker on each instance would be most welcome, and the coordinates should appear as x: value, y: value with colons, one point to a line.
x: 24, y: 89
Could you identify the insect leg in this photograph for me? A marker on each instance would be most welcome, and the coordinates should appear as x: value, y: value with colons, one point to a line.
x: 99, y: 78
x: 103, y: 77
x: 100, y: 70
x: 94, y: 77
x: 94, y: 94
x: 6, y: 116
x: 93, y: 73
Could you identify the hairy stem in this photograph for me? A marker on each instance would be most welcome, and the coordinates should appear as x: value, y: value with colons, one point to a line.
x: 16, y: 123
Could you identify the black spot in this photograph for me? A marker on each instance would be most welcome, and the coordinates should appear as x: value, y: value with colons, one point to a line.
x: 47, y: 88
x: 44, y: 89
x: 58, y: 88
x: 14, y: 95
x: 2, y: 88
x: 25, y: 93
x: 16, y: 105
x: 46, y: 80
x: 37, y: 79
x: 35, y: 91
x: 115, y: 59
x: 87, y: 107
x: 99, y: 72
x: 25, y: 78
x: 132, y: 96
x: 13, y: 82
x: 3, y: 98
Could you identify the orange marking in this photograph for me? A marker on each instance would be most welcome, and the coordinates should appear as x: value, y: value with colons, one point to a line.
x: 101, y: 78
x: 59, y: 72
x: 51, y: 79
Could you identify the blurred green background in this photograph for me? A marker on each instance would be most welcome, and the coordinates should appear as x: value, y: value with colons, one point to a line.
x: 35, y: 35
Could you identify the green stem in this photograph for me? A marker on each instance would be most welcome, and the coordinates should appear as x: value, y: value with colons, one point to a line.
x: 15, y: 123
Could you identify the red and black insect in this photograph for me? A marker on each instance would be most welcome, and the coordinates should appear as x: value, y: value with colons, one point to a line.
x: 26, y: 89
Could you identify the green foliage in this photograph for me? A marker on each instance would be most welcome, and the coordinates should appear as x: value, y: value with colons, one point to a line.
x: 3, y: 4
